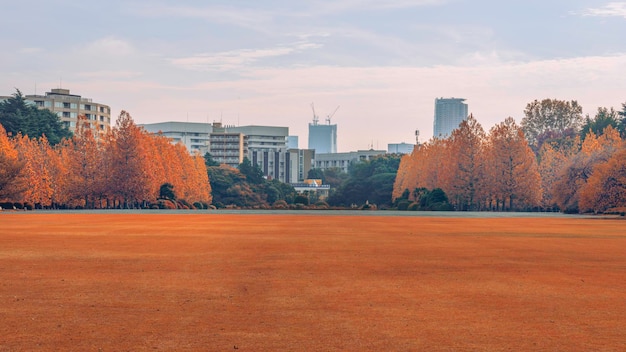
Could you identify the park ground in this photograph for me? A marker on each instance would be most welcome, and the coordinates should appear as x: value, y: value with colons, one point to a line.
x: 288, y: 282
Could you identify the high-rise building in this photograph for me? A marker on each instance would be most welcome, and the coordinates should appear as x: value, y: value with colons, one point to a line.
x: 69, y: 106
x: 449, y: 113
x: 323, y: 138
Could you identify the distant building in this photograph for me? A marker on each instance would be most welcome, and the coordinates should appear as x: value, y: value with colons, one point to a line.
x: 343, y: 160
x: 227, y: 147
x: 298, y: 164
x: 69, y: 106
x: 292, y: 142
x: 314, y: 186
x: 400, y: 148
x: 323, y: 138
x: 449, y: 113
x: 194, y: 135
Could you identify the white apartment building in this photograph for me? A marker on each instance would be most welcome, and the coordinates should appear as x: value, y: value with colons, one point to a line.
x: 69, y: 106
x: 342, y: 160
x: 194, y: 135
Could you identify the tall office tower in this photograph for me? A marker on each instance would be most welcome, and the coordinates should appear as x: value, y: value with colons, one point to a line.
x: 449, y: 113
x: 323, y: 138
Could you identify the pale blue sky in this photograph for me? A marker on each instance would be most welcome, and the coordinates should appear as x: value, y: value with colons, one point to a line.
x: 264, y: 62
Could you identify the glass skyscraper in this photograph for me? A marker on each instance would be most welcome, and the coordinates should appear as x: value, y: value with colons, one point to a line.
x: 449, y: 113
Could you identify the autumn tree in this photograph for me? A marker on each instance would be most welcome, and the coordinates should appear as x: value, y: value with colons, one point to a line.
x: 467, y: 165
x: 513, y: 176
x: 594, y: 151
x: 606, y: 187
x: 35, y: 173
x: 550, y: 119
x: 10, y: 169
x: 87, y: 181
x: 129, y: 160
x: 552, y: 160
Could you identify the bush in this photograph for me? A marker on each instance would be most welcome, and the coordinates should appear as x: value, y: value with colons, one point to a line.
x: 403, y: 204
x: 28, y: 206
x: 183, y: 204
x: 413, y: 207
x: 280, y: 204
x: 301, y: 199
x: 321, y: 203
x: 18, y: 205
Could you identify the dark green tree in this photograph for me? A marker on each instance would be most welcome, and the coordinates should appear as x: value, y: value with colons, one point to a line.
x: 18, y: 116
x: 604, y: 118
x: 317, y: 174
x: 209, y: 161
x: 166, y: 191
x: 253, y: 173
x: 368, y: 181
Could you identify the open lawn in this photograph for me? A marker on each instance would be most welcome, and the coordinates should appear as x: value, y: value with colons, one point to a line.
x: 289, y: 282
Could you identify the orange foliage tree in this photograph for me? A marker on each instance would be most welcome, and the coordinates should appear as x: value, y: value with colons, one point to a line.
x: 573, y: 177
x: 10, y: 169
x: 513, y: 176
x: 606, y: 187
x: 466, y: 188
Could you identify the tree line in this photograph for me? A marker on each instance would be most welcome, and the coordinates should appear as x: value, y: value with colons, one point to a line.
x: 554, y: 160
x: 125, y: 167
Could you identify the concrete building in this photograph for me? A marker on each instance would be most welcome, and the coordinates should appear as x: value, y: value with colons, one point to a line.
x: 343, y: 160
x: 298, y: 163
x: 400, y: 148
x: 323, y: 138
x: 69, y: 106
x: 194, y: 135
x: 449, y: 113
x: 227, y: 147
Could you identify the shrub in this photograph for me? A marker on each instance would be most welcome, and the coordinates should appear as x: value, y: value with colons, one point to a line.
x: 18, y: 205
x: 413, y: 207
x: 403, y: 204
x: 301, y: 199
x: 28, y: 206
x: 280, y: 204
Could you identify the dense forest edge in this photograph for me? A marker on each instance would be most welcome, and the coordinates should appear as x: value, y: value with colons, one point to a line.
x: 554, y: 160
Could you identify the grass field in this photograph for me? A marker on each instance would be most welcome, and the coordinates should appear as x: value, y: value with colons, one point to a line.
x: 289, y: 282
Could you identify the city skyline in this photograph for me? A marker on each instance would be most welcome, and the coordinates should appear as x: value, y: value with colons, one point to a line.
x: 265, y: 63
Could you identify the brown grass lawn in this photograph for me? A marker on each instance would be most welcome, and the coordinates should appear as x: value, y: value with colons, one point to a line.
x: 220, y: 282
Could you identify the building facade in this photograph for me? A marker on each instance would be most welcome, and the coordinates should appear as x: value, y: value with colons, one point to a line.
x: 400, y: 148
x: 343, y: 160
x: 323, y: 138
x: 449, y: 113
x: 69, y: 106
x: 194, y: 135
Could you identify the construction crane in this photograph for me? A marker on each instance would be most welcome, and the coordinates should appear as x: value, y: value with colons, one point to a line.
x: 315, y: 117
x: 331, y: 115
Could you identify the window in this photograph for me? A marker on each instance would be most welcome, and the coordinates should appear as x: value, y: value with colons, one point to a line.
x: 66, y: 114
x: 73, y: 106
x: 47, y: 104
x: 58, y: 104
x: 73, y: 115
x: 66, y: 105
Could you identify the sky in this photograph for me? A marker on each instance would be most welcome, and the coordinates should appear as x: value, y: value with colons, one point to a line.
x: 378, y: 65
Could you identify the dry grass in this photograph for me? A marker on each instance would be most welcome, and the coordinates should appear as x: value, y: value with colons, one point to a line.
x: 115, y: 282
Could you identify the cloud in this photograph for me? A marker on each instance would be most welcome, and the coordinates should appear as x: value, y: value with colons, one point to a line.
x: 612, y: 9
x: 234, y: 59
